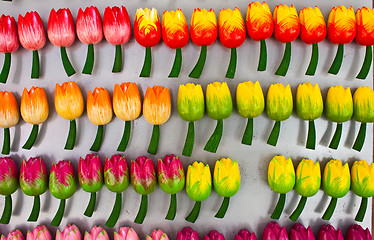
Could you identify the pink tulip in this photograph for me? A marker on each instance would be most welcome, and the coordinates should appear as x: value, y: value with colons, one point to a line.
x: 244, y: 234
x: 299, y: 232
x: 13, y: 235
x: 157, y: 235
x: 356, y: 232
x: 328, y: 232
x: 97, y: 233
x: 125, y: 233
x: 187, y: 233
x: 214, y: 235
x: 39, y: 233
x: 70, y: 232
x: 273, y: 231
x: 8, y: 43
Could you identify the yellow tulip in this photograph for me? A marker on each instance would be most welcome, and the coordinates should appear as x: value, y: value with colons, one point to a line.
x: 250, y: 99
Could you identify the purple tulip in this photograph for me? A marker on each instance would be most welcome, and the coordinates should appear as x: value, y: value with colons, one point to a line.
x: 299, y: 232
x: 187, y: 233
x: 244, y: 234
x: 356, y: 232
x: 273, y: 231
x: 214, y: 235
x: 328, y: 232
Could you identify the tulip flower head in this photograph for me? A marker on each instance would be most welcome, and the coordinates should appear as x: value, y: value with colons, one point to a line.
x: 157, y: 235
x: 357, y: 232
x: 8, y: 185
x: 244, y: 234
x: 70, y: 232
x: 97, y: 233
x: 204, y: 32
x: 39, y: 233
x: 126, y: 233
x: 9, y: 116
x: 187, y: 233
x: 14, y: 235
x: 328, y: 232
x: 214, y: 235
x: 298, y: 231
x: 274, y: 231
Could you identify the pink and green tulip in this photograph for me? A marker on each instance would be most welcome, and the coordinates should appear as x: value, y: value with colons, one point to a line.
x: 244, y: 234
x: 34, y: 182
x: 13, y: 235
x: 126, y: 233
x: 187, y: 233
x: 97, y: 233
x: 70, y: 232
x: 116, y: 179
x: 62, y: 185
x: 356, y: 232
x: 8, y: 185
x: 143, y: 180
x: 171, y: 179
x: 214, y: 235
x: 90, y: 174
x: 39, y: 233
x: 157, y: 235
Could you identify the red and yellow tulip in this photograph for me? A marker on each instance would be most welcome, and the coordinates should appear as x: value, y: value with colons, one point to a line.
x: 9, y: 116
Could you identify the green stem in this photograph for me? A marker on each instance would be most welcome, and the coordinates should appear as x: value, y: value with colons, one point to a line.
x: 263, y: 57
x: 198, y: 69
x: 273, y: 138
x: 91, y: 205
x: 311, y: 140
x: 190, y: 139
x: 90, y: 58
x: 125, y: 137
x: 146, y: 70
x: 59, y: 214
x: 6, y: 143
x: 248, y: 133
x: 300, y: 207
x: 337, y: 135
x: 32, y: 138
x: 113, y: 218
x: 34, y: 215
x: 175, y: 70
x: 35, y: 64
x: 214, y: 140
x: 367, y: 63
x: 153, y: 144
x: 283, y: 67
x: 361, y: 212
x: 330, y: 209
x: 7, y: 212
x: 194, y: 214
x: 279, y: 208
x: 335, y: 67
x: 359, y: 142
x: 232, y: 65
x: 6, y: 67
x: 172, y: 207
x: 142, y: 210
x: 313, y: 61
x: 66, y: 62
x: 70, y: 141
x: 98, y: 139
x: 223, y: 209
x: 117, y: 66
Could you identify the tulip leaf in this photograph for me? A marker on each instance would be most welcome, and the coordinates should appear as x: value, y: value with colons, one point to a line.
x: 70, y: 141
x: 98, y: 139
x: 7, y: 212
x: 198, y: 69
x: 280, y: 206
x: 90, y: 58
x: 248, y: 133
x: 361, y: 212
x: 117, y: 66
x: 214, y: 140
x: 330, y: 209
x: 113, y: 218
x: 232, y: 65
x: 273, y: 138
x: 125, y: 137
x: 32, y: 138
x: 311, y: 140
x: 172, y: 207
x: 367, y: 63
x: 69, y: 69
x: 153, y: 144
x: 223, y: 209
x: 6, y: 143
x: 283, y: 67
x: 35, y: 64
x: 263, y: 57
x: 142, y: 210
x: 6, y: 67
x: 299, y: 209
x: 91, y: 205
x: 190, y: 139
x: 337, y: 135
x: 35, y: 210
x: 313, y: 61
x: 175, y: 70
x: 335, y: 67
x: 146, y: 70
x: 194, y: 214
x: 59, y: 214
x: 359, y: 142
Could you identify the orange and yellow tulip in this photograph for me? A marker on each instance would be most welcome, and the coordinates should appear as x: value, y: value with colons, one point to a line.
x: 69, y: 105
x: 99, y: 111
x: 34, y: 110
x: 127, y: 106
x: 9, y: 116
x: 156, y: 110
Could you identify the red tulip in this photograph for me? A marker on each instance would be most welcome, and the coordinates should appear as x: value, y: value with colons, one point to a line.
x: 32, y: 37
x: 8, y: 43
x: 61, y: 33
x: 90, y: 32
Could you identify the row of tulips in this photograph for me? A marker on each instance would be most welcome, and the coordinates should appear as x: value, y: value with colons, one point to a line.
x: 342, y: 28
x: 340, y: 106
x: 33, y: 180
x: 336, y: 182
x: 272, y: 231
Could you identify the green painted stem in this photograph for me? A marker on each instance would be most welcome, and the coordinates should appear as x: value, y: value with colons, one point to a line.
x: 359, y: 142
x: 69, y: 69
x: 223, y: 209
x: 337, y: 135
x: 7, y: 212
x: 98, y: 139
x: 34, y: 215
x: 214, y: 140
x: 283, y: 67
x: 6, y: 67
x: 146, y: 70
x: 367, y: 63
x: 311, y: 140
x: 330, y: 209
x: 113, y: 218
x: 190, y: 139
x: 361, y: 212
x: 125, y: 137
x: 175, y: 70
x: 273, y: 138
x: 279, y: 208
x: 232, y: 65
x: 59, y: 214
x: 32, y: 138
x: 142, y: 210
x: 70, y: 141
x: 248, y: 133
x: 263, y: 57
x: 117, y: 66
x: 198, y: 69
x: 153, y: 144
x: 35, y: 64
x: 300, y: 207
x: 194, y: 214
x: 91, y: 205
x: 6, y: 143
x: 90, y: 58
x: 172, y: 207
x: 313, y: 61
x: 335, y: 67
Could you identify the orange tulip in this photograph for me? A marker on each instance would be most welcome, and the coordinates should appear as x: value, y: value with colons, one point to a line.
x: 156, y: 110
x: 34, y: 110
x: 127, y: 106
x: 9, y: 116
